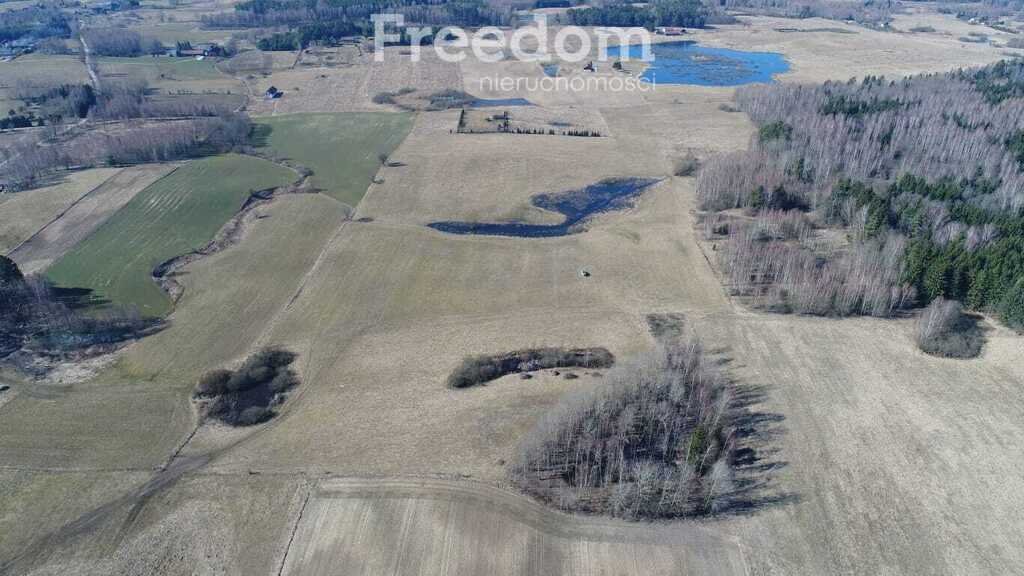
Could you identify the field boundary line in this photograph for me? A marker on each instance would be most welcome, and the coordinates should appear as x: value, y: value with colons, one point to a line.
x: 64, y: 212
x: 295, y: 529
x: 71, y: 206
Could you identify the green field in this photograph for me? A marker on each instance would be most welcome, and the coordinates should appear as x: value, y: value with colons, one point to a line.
x: 175, y: 215
x: 342, y: 149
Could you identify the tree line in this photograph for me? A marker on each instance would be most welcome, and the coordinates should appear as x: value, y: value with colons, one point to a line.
x: 128, y: 144
x: 870, y: 11
x: 308, y: 21
x: 924, y: 174
x: 48, y: 103
x: 683, y: 13
x: 37, y: 21
x: 120, y: 42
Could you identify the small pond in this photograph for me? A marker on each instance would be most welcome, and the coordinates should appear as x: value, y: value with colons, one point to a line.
x: 575, y: 205
x: 492, y: 103
x: 689, y: 63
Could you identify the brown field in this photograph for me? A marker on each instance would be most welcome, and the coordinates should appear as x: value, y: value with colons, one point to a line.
x: 424, y: 526
x: 27, y: 212
x: 876, y: 458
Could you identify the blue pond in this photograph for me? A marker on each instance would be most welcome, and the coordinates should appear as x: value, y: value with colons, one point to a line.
x: 575, y: 205
x: 688, y: 63
x: 485, y: 103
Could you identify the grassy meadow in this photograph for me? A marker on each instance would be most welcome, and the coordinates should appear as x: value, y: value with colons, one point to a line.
x: 175, y: 215
x: 342, y: 149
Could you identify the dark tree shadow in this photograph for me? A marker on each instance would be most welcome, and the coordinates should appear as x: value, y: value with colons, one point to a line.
x: 756, y: 458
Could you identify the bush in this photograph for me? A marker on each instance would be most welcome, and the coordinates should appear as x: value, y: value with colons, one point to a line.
x: 284, y: 381
x: 213, y: 383
x: 686, y: 166
x: 446, y: 99
x: 944, y: 330
x: 384, y: 98
x: 653, y: 441
x: 254, y: 415
x: 480, y: 369
x: 244, y: 397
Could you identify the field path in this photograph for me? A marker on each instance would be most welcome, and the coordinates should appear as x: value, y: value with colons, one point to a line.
x: 90, y: 64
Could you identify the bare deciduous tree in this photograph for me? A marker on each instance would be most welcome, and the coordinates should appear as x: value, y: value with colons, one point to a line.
x: 654, y: 440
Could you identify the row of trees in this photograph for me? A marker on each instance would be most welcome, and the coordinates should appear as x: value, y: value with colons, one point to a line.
x: 986, y: 10
x: 870, y: 11
x: 653, y: 441
x: 686, y: 13
x: 311, y: 22
x: 475, y: 370
x: 36, y: 21
x: 54, y: 103
x: 155, y: 142
x: 924, y: 174
x: 120, y: 42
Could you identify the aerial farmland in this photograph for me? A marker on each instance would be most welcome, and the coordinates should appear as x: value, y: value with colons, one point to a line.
x: 278, y: 299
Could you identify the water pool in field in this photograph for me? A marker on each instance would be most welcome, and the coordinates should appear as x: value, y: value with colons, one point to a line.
x: 496, y: 102
x: 575, y: 205
x: 687, y: 62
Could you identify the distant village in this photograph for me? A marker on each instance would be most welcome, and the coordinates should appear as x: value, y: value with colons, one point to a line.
x: 15, y: 48
x: 29, y: 44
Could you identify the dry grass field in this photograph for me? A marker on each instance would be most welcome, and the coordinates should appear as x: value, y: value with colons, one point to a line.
x: 25, y: 213
x: 875, y: 458
x: 171, y: 75
x: 343, y: 150
x: 350, y: 87
x: 423, y: 526
x: 821, y: 55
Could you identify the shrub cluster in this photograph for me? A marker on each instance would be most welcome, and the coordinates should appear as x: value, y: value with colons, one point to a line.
x: 944, y: 330
x: 686, y: 166
x: 248, y: 395
x: 653, y: 441
x: 480, y: 369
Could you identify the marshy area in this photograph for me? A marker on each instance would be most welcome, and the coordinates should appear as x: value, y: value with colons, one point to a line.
x: 576, y: 205
x: 687, y: 62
